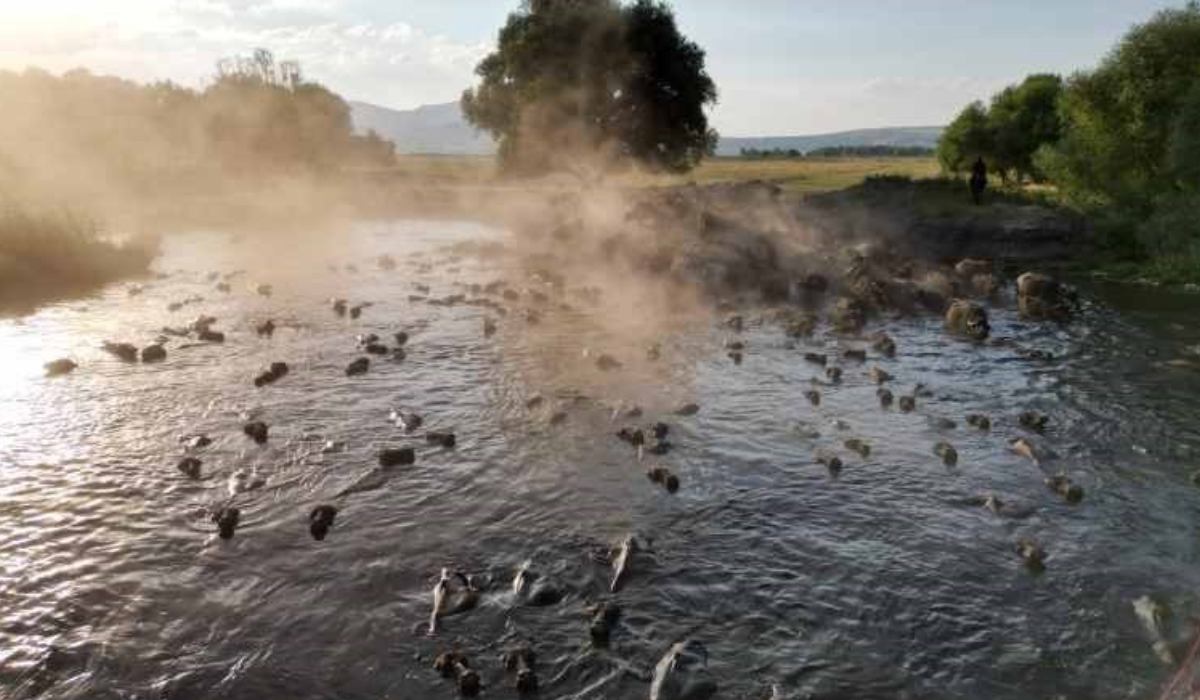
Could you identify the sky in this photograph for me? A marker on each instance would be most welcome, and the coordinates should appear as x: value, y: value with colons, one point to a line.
x: 783, y: 67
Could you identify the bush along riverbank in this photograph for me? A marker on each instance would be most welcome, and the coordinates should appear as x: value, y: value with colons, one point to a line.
x: 52, y: 255
x: 1120, y: 143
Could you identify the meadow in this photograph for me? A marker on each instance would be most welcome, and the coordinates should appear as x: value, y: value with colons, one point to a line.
x: 801, y: 175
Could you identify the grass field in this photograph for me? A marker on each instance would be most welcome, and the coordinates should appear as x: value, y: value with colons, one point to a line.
x: 799, y: 175
x: 802, y: 175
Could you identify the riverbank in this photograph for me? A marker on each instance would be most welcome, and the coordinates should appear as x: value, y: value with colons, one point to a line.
x: 48, y: 256
x: 659, y: 223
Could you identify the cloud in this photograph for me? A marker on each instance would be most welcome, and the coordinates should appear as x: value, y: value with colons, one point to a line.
x: 391, y: 63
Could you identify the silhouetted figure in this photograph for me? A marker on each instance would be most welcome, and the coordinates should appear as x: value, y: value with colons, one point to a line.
x: 978, y: 180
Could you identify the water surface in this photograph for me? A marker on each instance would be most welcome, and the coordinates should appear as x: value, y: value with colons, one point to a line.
x: 885, y: 582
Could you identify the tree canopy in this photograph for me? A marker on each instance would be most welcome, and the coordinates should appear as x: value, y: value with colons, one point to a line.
x: 1184, y: 155
x: 1007, y: 134
x: 966, y: 138
x: 1022, y: 119
x: 1124, y: 120
x: 575, y: 79
x: 1122, y: 144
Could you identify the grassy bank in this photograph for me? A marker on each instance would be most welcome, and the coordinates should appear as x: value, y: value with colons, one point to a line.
x: 801, y: 174
x: 48, y: 255
x: 796, y: 175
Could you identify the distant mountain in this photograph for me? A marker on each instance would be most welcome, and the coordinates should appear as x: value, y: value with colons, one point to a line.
x: 437, y: 129
x: 441, y: 129
x: 898, y: 136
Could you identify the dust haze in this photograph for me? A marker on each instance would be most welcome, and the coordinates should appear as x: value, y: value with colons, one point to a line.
x: 259, y: 152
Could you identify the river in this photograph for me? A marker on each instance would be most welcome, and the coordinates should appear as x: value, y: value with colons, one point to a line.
x: 888, y: 581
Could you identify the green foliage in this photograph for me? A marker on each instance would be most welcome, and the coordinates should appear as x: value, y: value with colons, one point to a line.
x: 1022, y: 119
x: 1184, y: 150
x: 1130, y: 153
x: 968, y: 137
x: 1122, y: 118
x: 572, y: 78
x: 838, y: 152
x: 1124, y: 146
x: 1173, y: 228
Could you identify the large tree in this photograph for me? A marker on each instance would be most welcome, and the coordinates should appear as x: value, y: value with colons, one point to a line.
x: 1022, y: 119
x: 573, y: 80
x: 966, y: 138
x: 1120, y: 120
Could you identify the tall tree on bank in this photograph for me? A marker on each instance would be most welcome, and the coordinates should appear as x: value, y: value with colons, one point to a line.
x: 1124, y: 119
x: 573, y: 80
x: 1022, y: 119
x: 966, y: 138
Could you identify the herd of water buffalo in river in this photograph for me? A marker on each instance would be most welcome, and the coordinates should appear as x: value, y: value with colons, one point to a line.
x: 862, y: 292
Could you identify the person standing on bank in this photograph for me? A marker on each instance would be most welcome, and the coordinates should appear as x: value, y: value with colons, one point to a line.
x: 978, y: 180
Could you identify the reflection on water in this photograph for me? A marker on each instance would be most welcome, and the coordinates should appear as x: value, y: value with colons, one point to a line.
x: 885, y: 582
